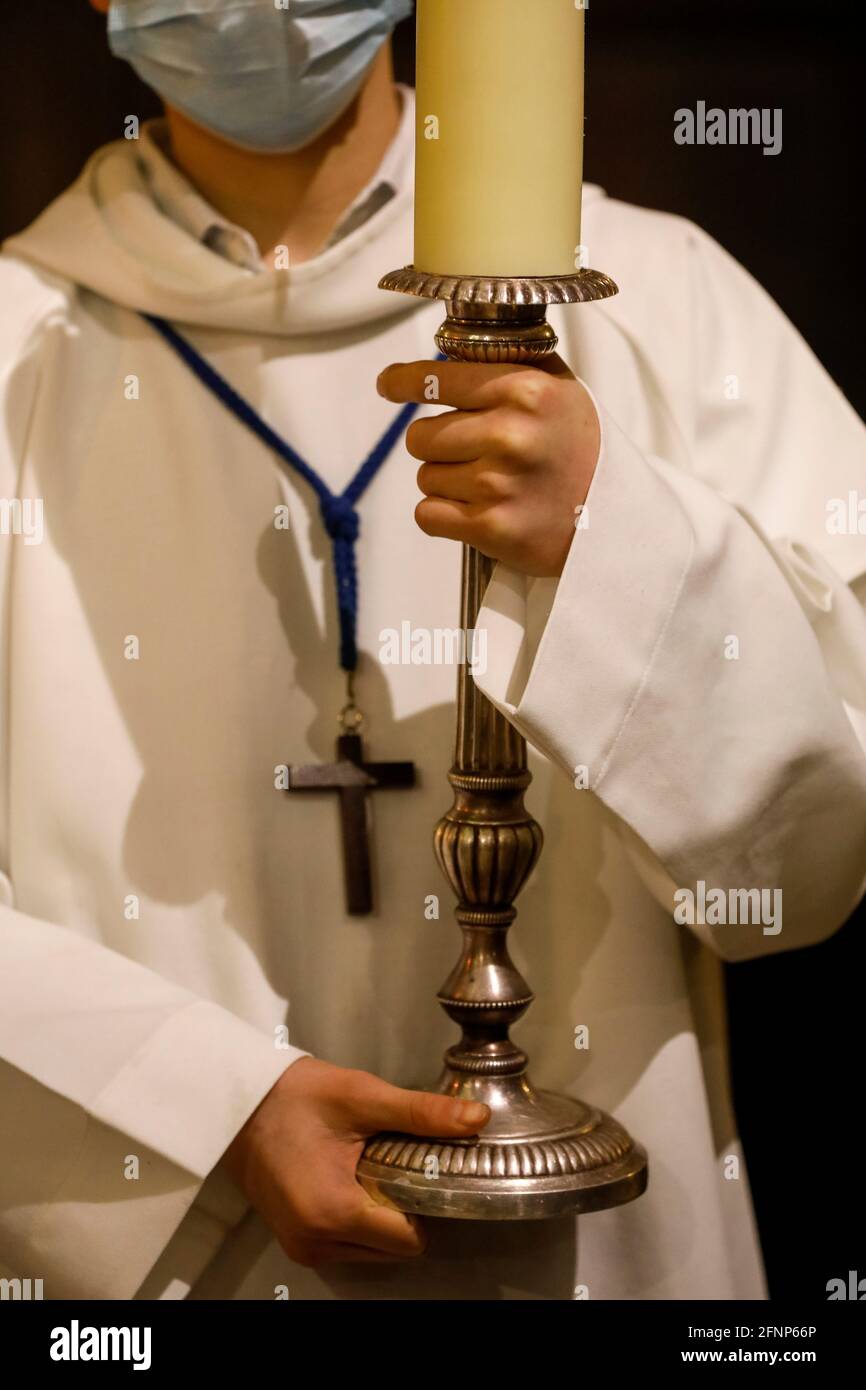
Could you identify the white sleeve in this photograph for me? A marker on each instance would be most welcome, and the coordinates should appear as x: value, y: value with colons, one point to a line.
x: 119, y: 1093
x: 711, y: 681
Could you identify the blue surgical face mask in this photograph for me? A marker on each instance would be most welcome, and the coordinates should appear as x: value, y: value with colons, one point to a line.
x: 263, y: 74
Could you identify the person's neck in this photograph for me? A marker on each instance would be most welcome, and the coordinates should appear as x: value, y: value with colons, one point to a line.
x: 293, y: 200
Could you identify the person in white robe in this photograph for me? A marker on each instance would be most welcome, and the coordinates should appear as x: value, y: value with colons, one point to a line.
x: 174, y: 941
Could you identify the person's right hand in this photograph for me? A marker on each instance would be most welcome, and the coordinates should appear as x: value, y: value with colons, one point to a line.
x: 295, y: 1160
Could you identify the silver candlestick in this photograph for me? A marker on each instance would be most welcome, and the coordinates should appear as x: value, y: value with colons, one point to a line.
x: 541, y: 1154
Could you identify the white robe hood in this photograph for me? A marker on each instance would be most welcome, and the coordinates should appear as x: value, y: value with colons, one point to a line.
x: 108, y: 235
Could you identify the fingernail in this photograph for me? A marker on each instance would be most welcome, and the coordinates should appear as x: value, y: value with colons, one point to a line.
x: 473, y: 1114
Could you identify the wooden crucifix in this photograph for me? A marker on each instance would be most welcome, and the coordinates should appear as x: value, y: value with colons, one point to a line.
x: 353, y: 778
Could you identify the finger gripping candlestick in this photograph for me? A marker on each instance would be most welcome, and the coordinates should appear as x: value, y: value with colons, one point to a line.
x: 542, y: 1154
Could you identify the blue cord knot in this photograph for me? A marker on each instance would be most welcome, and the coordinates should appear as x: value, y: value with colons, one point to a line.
x: 342, y: 522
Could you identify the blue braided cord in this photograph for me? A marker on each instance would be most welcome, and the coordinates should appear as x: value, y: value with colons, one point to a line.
x: 236, y: 403
x: 340, y: 519
x: 376, y: 457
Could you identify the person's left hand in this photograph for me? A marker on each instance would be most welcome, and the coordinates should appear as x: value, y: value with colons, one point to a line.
x: 506, y: 469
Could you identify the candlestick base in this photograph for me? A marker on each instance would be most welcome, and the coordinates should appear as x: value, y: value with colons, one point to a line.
x: 542, y: 1155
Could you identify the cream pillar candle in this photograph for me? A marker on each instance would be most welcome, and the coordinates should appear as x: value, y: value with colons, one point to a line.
x: 499, y: 136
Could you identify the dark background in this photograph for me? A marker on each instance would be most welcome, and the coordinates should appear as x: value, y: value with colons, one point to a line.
x: 797, y: 222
